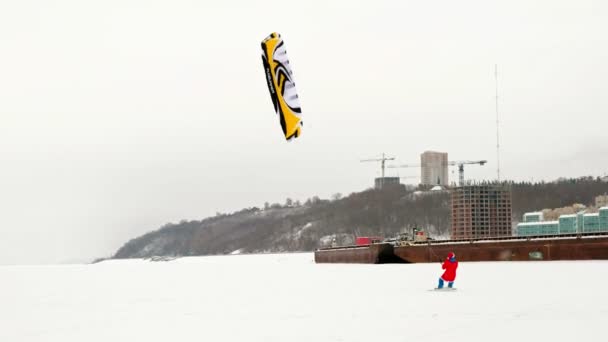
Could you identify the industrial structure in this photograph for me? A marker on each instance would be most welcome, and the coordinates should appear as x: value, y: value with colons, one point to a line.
x: 431, y: 170
x: 480, y: 211
x: 434, y: 168
x: 481, y: 231
x: 382, y: 163
x: 461, y: 165
x: 566, y: 247
x: 533, y: 224
x: 382, y: 182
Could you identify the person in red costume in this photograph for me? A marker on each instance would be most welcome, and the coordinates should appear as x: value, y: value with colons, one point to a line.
x: 449, y: 265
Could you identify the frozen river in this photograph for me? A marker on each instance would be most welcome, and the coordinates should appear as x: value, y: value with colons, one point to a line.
x: 287, y: 297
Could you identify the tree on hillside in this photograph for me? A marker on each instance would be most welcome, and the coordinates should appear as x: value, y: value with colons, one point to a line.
x: 371, y: 212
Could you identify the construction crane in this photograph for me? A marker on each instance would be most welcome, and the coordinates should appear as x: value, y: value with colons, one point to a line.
x: 461, y: 167
x: 460, y: 164
x: 408, y: 177
x: 402, y: 165
x: 382, y: 160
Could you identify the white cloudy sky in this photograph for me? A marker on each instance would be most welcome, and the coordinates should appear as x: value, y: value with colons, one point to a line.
x: 119, y: 116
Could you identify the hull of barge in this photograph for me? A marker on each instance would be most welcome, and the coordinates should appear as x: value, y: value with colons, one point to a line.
x: 509, y: 249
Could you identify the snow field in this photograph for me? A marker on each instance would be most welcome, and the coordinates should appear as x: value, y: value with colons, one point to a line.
x: 287, y: 297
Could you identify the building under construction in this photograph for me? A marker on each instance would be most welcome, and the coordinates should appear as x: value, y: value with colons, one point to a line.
x: 381, y: 182
x: 480, y: 211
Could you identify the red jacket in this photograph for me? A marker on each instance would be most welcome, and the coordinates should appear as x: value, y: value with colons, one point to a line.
x: 450, y: 270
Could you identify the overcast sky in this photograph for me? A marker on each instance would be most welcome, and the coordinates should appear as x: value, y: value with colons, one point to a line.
x: 117, y: 117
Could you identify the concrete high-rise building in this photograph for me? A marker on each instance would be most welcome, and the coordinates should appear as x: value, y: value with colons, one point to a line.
x: 434, y: 170
x: 481, y: 211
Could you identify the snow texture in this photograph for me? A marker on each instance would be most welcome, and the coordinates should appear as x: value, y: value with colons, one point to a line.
x: 287, y: 297
x: 298, y: 234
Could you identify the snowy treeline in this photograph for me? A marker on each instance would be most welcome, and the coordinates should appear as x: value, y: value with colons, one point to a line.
x: 304, y: 227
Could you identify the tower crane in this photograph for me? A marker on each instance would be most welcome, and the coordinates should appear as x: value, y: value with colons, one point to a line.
x: 461, y: 167
x: 382, y: 160
x: 460, y: 163
x: 402, y: 165
x: 408, y: 177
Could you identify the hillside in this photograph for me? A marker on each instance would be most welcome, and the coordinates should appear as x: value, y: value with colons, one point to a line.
x: 304, y: 227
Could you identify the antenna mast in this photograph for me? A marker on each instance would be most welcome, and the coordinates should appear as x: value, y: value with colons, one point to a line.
x: 497, y: 132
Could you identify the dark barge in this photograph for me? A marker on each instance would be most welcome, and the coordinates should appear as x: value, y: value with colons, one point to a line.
x: 593, y: 246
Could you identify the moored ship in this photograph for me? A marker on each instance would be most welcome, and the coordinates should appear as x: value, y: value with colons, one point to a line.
x: 592, y: 246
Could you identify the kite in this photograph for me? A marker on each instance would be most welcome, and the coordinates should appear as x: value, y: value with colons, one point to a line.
x: 281, y: 85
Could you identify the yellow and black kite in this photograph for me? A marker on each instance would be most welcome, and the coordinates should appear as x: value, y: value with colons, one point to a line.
x: 281, y: 85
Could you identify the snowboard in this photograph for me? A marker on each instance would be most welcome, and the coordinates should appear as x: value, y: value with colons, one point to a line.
x: 445, y: 289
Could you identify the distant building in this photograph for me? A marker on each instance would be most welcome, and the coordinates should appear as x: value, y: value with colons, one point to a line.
x: 380, y: 182
x: 601, y: 201
x: 534, y: 217
x: 566, y: 224
x: 604, y: 218
x: 434, y: 168
x: 480, y: 211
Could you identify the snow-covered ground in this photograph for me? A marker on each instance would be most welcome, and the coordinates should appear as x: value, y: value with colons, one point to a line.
x: 287, y: 297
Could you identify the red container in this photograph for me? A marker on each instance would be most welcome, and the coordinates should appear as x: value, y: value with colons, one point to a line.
x: 367, y: 240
